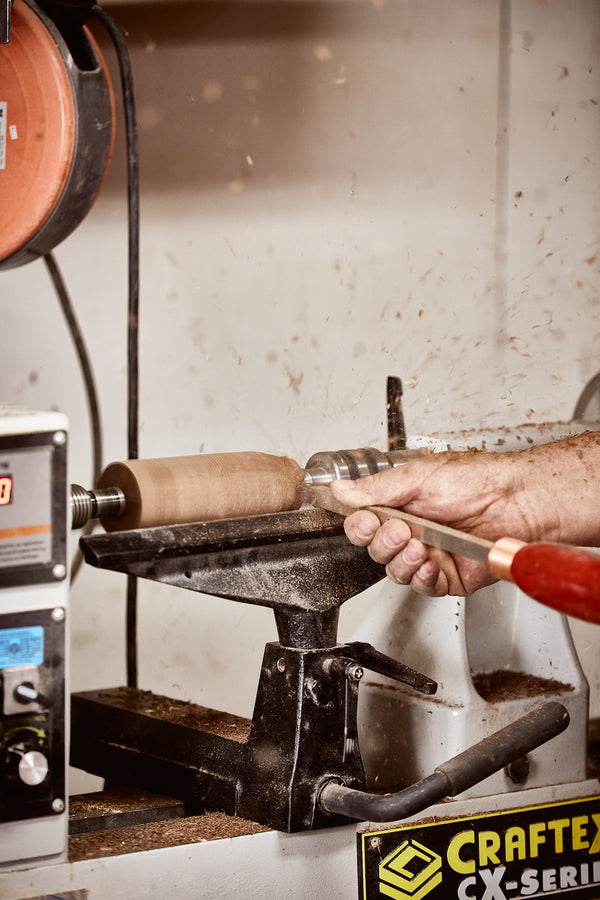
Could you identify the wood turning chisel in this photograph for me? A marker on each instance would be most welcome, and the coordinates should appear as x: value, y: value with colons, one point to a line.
x: 563, y: 577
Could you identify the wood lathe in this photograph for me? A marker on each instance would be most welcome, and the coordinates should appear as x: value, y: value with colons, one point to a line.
x: 328, y: 740
x: 249, y: 541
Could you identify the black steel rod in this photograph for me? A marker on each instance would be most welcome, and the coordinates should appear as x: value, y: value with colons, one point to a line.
x: 395, y: 415
x: 454, y: 776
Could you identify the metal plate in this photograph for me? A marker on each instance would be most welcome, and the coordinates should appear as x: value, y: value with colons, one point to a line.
x: 533, y: 851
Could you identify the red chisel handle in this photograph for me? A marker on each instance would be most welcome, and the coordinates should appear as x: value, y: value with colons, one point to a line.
x: 564, y: 578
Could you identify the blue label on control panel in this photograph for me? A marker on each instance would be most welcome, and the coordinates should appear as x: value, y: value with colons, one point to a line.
x: 21, y: 646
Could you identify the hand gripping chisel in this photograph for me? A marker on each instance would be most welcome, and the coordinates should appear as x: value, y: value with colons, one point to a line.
x: 562, y: 577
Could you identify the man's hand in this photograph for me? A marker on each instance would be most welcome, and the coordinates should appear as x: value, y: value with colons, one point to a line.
x: 491, y: 495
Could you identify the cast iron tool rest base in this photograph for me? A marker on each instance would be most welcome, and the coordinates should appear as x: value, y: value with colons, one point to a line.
x: 304, y: 726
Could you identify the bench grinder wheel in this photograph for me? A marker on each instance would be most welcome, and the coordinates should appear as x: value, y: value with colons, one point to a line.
x: 56, y: 131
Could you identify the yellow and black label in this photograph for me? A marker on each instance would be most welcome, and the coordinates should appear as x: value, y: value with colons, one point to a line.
x: 518, y: 854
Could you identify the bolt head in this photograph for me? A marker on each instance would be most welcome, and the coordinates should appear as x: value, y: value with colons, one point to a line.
x: 518, y: 770
x: 354, y: 672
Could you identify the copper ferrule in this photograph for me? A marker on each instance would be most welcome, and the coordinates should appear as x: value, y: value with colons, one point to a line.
x: 501, y: 556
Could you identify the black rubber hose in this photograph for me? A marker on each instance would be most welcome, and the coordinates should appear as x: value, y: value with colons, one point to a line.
x: 454, y: 776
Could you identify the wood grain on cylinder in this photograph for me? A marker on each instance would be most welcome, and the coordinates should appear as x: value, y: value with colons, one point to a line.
x: 175, y: 490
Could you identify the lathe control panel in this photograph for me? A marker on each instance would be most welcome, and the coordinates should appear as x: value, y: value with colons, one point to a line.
x: 33, y: 621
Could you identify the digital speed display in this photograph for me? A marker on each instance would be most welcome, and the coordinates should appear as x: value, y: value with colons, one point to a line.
x: 6, y: 484
x: 33, y: 493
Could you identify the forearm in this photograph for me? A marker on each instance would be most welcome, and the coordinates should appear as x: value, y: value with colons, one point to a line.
x: 558, y: 489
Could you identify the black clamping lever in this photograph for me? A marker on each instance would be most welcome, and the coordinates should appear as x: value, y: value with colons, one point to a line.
x: 452, y: 777
x: 367, y: 656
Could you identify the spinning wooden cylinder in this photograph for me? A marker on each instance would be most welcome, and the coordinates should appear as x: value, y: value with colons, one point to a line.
x: 183, y: 489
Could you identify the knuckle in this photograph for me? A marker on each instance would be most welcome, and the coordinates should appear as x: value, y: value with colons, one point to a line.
x: 398, y: 571
x: 426, y: 580
x: 379, y: 554
x: 359, y: 530
x: 394, y: 535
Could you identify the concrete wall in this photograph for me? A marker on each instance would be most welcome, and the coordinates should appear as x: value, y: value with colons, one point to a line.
x: 331, y: 193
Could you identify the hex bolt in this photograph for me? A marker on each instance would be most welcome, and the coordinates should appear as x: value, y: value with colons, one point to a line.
x: 58, y: 614
x: 59, y: 438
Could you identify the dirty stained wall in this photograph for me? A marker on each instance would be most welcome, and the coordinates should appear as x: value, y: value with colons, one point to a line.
x: 331, y: 193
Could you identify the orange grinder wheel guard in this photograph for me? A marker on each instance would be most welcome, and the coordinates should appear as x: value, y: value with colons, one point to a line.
x: 56, y: 132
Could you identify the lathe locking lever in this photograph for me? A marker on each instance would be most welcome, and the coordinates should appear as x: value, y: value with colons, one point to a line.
x: 369, y: 658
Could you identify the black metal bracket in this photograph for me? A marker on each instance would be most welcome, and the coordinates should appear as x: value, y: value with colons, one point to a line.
x: 304, y: 726
x: 303, y: 733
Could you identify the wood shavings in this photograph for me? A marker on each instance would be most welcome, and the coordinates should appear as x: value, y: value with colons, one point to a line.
x: 505, y: 684
x: 153, y: 836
